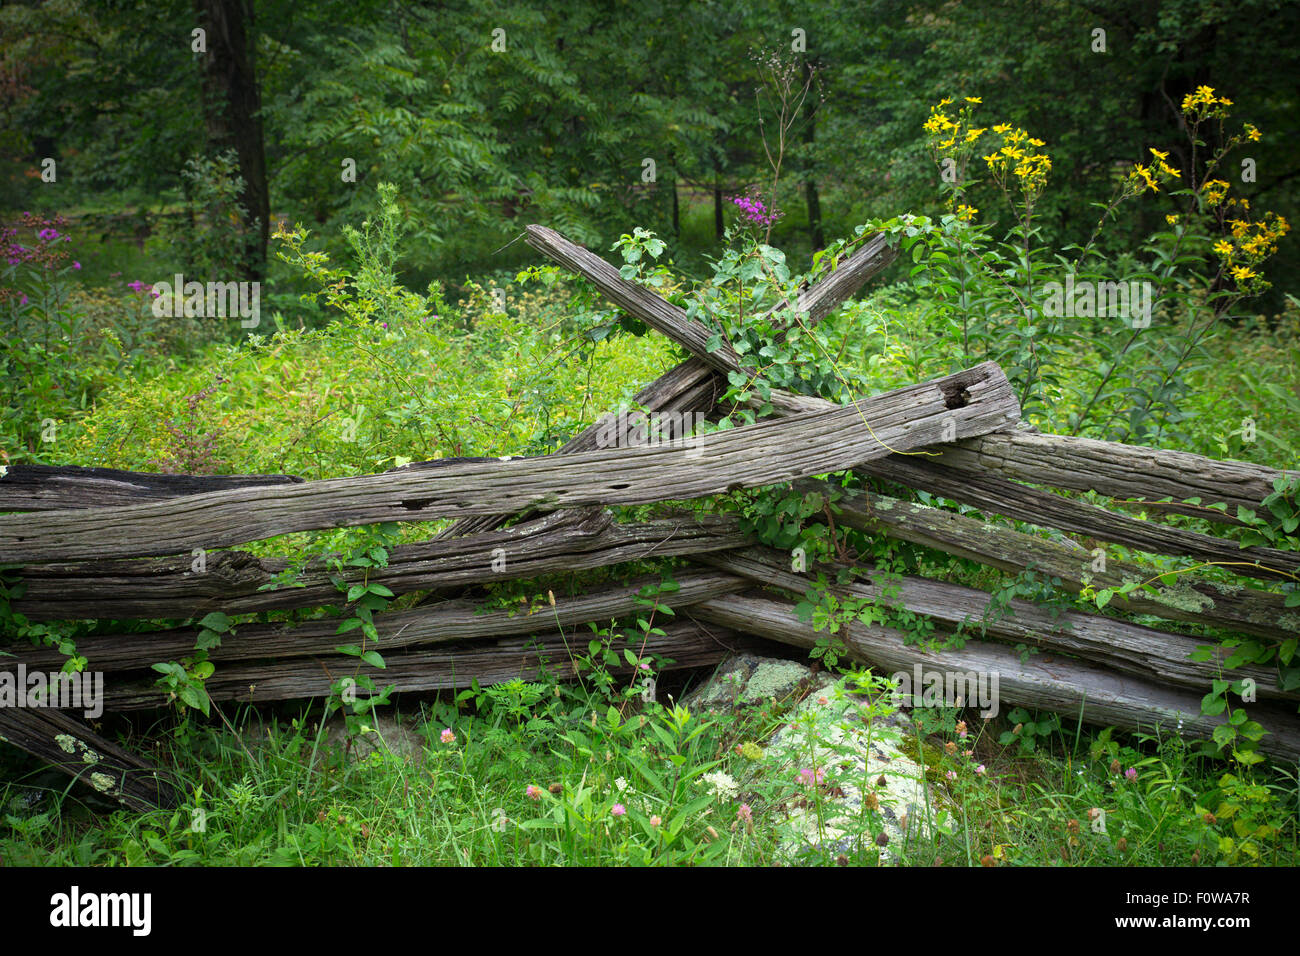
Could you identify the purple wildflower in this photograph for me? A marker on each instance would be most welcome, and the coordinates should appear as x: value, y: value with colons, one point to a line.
x: 754, y: 211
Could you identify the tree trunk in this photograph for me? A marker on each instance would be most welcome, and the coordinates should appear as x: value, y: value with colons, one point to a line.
x: 232, y: 113
x: 811, y: 196
x: 815, y: 233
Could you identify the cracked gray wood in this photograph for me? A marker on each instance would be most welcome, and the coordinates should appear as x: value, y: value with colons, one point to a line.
x: 973, y: 485
x: 1118, y: 471
x: 1231, y: 606
x: 433, y: 624
x: 68, y: 745
x: 694, y: 385
x: 1048, y: 509
x: 685, y: 644
x: 57, y: 487
x: 1131, y: 648
x: 974, y: 401
x: 232, y: 581
x: 1074, y: 689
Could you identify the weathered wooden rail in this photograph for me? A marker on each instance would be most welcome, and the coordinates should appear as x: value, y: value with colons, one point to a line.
x: 117, y: 546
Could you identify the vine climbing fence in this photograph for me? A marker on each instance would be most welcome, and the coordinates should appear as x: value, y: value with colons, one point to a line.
x: 125, y: 548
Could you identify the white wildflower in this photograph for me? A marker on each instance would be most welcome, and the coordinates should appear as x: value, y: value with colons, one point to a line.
x: 722, y: 784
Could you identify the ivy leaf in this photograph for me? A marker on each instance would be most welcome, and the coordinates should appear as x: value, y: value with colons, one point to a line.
x: 216, y: 621
x: 207, y: 640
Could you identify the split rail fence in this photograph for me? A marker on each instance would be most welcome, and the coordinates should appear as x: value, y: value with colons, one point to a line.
x: 91, y: 543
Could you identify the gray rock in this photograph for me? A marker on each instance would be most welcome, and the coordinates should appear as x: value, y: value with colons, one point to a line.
x: 379, y: 732
x: 749, y: 679
x: 837, y: 751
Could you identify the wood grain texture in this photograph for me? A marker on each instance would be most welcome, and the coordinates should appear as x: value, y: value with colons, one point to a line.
x: 1117, y: 471
x: 1074, y: 689
x: 684, y: 644
x: 638, y: 300
x: 695, y: 385
x: 458, y: 620
x: 68, y: 745
x: 685, y: 387
x: 1047, y: 509
x: 974, y: 401
x: 56, y: 488
x: 1233, y: 606
x: 569, y: 540
x: 1130, y: 648
x: 1114, y: 466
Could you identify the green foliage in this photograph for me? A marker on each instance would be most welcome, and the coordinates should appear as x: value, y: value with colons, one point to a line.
x: 363, y: 374
x: 1095, y: 344
x: 1276, y: 528
x: 60, y: 635
x: 1029, y: 585
x: 1030, y: 729
x: 210, y: 238
x: 394, y: 377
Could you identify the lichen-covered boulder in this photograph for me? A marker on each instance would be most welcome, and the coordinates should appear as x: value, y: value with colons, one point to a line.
x: 379, y: 732
x: 745, y: 679
x: 847, y: 758
x: 838, y: 774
